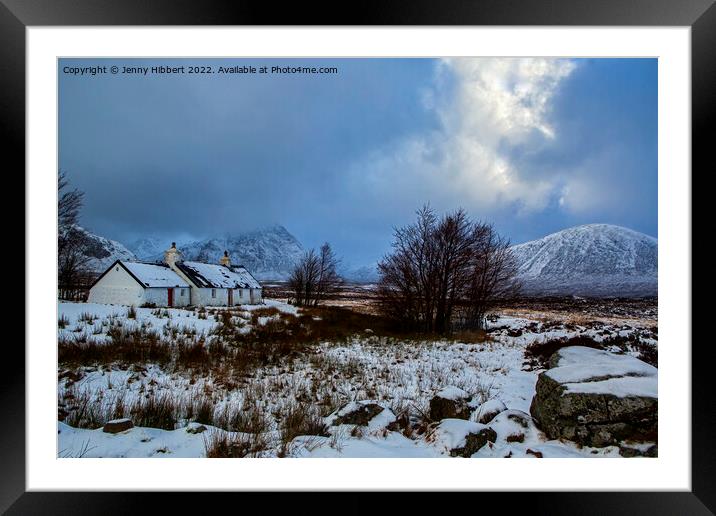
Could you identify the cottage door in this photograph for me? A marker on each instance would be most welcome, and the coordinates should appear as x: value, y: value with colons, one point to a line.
x: 170, y: 297
x: 231, y: 297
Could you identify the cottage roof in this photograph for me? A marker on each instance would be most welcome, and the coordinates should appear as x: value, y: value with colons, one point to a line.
x: 154, y: 274
x: 246, y: 276
x: 208, y: 275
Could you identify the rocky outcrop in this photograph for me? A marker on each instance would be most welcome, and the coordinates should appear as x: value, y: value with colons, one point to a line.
x: 596, y: 398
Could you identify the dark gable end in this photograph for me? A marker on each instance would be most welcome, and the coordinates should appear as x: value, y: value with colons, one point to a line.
x: 118, y: 262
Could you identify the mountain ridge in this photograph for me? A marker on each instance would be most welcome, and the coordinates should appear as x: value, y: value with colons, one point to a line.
x: 269, y: 252
x: 101, y: 252
x: 591, y: 260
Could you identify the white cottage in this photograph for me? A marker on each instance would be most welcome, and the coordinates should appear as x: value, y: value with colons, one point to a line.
x: 135, y: 283
x: 176, y: 283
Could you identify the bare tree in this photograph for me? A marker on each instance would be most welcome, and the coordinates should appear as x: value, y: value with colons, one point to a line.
x: 328, y: 278
x: 314, y: 276
x: 407, y: 288
x: 69, y: 202
x: 439, y: 265
x: 493, y: 277
x: 455, y: 238
x: 71, y: 242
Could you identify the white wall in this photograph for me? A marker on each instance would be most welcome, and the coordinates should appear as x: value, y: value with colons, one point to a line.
x: 202, y: 297
x: 117, y: 287
x: 241, y: 296
x: 160, y: 296
x: 180, y: 300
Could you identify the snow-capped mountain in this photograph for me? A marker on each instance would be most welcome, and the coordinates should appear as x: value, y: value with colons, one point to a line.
x: 148, y: 247
x: 592, y: 260
x: 364, y: 274
x: 269, y: 253
x: 101, y: 252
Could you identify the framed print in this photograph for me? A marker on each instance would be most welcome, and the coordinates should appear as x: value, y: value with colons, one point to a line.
x: 296, y: 255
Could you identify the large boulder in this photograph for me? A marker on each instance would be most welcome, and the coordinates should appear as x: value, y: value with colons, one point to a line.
x: 596, y: 398
x: 450, y: 403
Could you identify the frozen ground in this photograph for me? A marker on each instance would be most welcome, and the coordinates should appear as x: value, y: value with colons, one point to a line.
x: 401, y: 376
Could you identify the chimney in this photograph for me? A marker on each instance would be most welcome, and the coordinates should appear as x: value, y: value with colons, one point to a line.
x: 172, y: 255
x: 225, y: 261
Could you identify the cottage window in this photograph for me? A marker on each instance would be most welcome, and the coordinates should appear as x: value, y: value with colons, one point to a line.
x: 181, y: 292
x: 213, y: 292
x: 116, y: 269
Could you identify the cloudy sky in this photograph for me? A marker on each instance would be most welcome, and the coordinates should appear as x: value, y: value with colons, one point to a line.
x: 532, y: 145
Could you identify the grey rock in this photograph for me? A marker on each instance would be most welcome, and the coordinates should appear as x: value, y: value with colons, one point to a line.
x: 597, y: 418
x: 475, y: 441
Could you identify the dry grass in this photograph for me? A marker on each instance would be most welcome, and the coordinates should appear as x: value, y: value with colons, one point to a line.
x: 156, y: 411
x: 470, y: 337
x: 126, y: 346
x: 222, y: 445
x: 299, y: 419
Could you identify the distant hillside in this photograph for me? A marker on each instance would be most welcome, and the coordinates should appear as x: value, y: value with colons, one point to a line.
x: 102, y: 252
x: 591, y: 260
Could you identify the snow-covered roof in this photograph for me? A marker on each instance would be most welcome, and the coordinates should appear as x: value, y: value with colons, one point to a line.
x: 154, y: 274
x: 246, y: 276
x: 209, y: 275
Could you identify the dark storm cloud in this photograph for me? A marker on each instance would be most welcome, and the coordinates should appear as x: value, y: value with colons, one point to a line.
x: 182, y: 156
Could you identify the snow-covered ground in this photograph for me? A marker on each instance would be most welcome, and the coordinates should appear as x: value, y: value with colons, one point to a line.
x: 401, y: 376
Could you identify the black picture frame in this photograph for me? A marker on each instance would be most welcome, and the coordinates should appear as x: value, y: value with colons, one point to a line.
x: 700, y: 15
